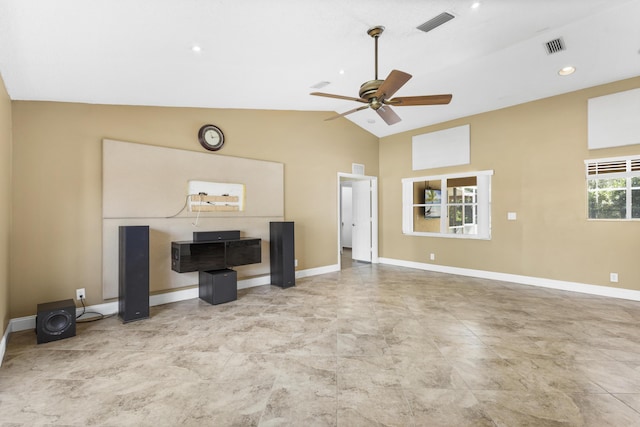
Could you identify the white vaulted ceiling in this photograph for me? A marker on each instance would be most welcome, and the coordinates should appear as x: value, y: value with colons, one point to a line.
x: 268, y: 54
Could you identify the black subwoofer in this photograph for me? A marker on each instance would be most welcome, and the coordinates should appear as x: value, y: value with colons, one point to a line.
x: 56, y: 320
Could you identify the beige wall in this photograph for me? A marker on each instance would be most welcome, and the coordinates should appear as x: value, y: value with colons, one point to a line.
x: 57, y: 181
x: 537, y: 151
x: 5, y: 204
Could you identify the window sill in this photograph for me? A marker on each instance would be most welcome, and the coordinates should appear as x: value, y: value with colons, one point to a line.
x: 449, y: 236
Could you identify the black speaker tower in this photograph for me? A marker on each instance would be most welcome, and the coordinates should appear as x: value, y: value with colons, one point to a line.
x: 55, y: 321
x: 133, y: 269
x: 282, y: 257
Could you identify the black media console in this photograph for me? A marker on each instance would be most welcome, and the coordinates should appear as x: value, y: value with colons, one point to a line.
x: 214, y: 253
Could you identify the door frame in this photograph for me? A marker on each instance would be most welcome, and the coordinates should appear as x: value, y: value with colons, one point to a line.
x: 342, y: 177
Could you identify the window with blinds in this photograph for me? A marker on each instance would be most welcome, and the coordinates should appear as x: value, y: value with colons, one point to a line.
x: 613, y: 188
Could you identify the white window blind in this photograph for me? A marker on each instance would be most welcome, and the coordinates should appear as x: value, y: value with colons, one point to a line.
x: 619, y: 165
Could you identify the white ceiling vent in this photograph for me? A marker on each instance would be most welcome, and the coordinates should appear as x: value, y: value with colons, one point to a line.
x: 435, y: 22
x: 555, y: 46
x: 320, y: 85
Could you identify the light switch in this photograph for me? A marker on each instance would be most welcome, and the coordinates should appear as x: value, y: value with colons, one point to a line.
x: 511, y: 216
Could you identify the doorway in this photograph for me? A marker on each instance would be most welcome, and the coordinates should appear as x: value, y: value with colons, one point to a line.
x: 357, y: 219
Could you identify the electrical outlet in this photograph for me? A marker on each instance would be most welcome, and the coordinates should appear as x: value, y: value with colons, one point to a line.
x: 295, y: 263
x: 432, y: 257
x: 80, y: 294
x: 613, y: 277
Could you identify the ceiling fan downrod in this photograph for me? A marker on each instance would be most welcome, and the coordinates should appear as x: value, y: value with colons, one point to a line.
x: 375, y: 33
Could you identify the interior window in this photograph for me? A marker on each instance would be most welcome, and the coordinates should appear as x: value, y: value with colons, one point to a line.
x: 448, y: 205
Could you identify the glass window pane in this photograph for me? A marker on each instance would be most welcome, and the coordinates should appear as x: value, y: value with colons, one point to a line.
x: 607, y: 204
x: 426, y: 219
x: 432, y: 196
x: 612, y: 183
x: 455, y: 194
x: 635, y: 181
x: 635, y: 203
x: 468, y: 215
x: 455, y: 216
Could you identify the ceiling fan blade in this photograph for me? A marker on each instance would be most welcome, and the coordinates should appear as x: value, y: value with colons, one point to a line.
x: 364, y: 107
x: 419, y: 100
x: 392, y: 83
x: 346, y: 98
x: 388, y: 115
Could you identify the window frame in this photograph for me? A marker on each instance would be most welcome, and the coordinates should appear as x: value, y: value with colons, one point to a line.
x: 483, y: 197
x: 608, y: 169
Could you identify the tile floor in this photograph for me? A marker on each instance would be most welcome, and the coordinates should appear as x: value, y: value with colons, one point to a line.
x: 371, y: 345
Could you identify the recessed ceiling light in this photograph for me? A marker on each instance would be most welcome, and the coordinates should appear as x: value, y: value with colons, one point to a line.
x: 475, y: 5
x: 341, y: 71
x: 567, y: 70
x: 196, y: 48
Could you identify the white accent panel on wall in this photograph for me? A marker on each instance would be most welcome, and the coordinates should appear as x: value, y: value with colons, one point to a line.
x: 148, y: 185
x: 614, y: 120
x: 447, y: 147
x: 152, y: 182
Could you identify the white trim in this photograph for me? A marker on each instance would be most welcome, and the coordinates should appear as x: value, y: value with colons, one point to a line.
x: 250, y: 283
x: 4, y: 341
x: 317, y: 271
x: 447, y: 176
x: 22, y: 323
x: 29, y: 322
x: 562, y: 285
x: 374, y: 213
x: 611, y: 159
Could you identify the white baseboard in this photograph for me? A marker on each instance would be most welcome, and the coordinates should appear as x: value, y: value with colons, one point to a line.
x: 29, y: 322
x: 523, y: 280
x: 3, y: 343
x: 317, y: 271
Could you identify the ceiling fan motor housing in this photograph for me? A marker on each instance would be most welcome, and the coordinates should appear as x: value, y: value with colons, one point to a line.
x: 368, y: 89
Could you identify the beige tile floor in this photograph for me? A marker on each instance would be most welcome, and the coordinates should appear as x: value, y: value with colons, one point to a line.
x: 370, y: 345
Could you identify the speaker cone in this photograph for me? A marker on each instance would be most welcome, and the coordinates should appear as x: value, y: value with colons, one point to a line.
x: 57, y: 322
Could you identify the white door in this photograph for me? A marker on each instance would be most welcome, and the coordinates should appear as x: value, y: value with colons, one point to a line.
x: 361, y: 232
x: 347, y: 219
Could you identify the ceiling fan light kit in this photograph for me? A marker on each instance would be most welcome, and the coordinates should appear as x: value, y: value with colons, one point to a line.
x: 377, y: 94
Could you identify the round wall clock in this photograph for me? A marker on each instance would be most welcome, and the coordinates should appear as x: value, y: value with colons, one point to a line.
x: 211, y: 137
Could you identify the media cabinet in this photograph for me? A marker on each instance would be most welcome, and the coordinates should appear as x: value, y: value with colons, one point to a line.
x: 213, y: 253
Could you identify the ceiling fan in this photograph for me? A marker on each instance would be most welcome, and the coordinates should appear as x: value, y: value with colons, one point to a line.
x: 377, y: 93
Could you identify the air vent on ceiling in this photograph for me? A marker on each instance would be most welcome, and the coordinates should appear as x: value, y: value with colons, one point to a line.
x: 436, y: 22
x: 320, y: 85
x: 555, y: 46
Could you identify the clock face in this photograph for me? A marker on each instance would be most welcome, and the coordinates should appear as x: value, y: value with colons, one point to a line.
x: 211, y: 137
